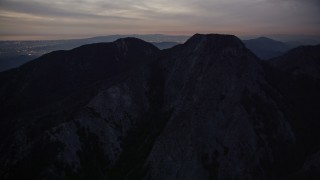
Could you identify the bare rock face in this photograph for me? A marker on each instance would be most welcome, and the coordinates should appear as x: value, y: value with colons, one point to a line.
x: 222, y: 116
x: 205, y: 109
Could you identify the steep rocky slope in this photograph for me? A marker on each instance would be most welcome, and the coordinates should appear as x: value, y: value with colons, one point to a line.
x: 226, y: 121
x: 205, y: 109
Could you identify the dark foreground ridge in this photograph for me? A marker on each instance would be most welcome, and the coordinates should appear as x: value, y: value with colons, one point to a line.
x: 205, y: 109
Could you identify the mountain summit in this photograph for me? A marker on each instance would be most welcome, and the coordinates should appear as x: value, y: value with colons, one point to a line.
x: 205, y: 109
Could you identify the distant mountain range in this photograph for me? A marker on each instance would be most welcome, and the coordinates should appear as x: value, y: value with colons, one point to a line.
x: 15, y: 53
x: 204, y: 109
x: 266, y: 48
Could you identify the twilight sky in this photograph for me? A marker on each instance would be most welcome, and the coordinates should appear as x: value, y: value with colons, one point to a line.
x: 58, y: 19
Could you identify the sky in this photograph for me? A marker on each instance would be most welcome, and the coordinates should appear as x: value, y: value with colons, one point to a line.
x: 66, y: 19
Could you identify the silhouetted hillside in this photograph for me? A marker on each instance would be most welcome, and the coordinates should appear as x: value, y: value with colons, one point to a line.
x: 266, y: 48
x: 15, y: 53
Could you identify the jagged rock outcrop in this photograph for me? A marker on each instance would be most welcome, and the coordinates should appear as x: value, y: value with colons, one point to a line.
x: 222, y: 114
x: 205, y: 109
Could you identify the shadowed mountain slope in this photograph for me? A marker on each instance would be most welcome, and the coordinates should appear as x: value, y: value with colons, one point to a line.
x: 300, y: 60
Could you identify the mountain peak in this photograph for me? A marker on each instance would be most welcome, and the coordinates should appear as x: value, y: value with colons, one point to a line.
x: 214, y: 41
x: 264, y: 38
x: 129, y: 39
x: 132, y: 41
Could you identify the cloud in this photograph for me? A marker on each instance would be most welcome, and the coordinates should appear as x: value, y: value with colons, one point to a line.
x: 99, y: 17
x: 57, y: 9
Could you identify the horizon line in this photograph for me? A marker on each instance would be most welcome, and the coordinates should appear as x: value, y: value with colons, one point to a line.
x: 54, y: 37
